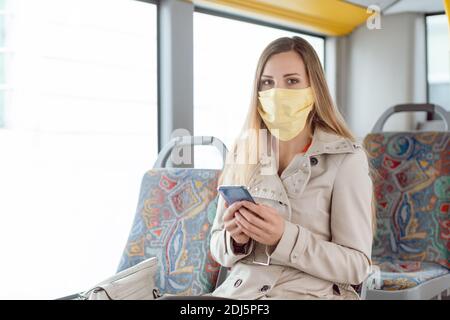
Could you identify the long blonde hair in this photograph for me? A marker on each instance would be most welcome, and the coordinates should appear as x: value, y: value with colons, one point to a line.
x: 324, y: 114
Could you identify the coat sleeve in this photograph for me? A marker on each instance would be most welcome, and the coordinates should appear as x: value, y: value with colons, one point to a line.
x: 346, y: 258
x: 221, y: 244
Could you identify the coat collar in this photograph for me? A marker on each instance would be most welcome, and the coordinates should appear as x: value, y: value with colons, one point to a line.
x: 266, y: 183
x: 324, y: 142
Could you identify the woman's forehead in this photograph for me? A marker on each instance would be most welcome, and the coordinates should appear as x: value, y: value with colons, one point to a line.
x: 285, y: 62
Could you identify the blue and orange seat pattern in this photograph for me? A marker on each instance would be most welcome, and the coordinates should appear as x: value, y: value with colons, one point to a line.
x: 411, y: 175
x: 174, y: 216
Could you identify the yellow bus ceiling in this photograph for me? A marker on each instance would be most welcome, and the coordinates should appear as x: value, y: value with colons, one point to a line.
x: 447, y: 9
x: 329, y: 17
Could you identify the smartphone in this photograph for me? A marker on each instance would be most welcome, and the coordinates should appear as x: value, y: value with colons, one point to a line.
x: 233, y: 194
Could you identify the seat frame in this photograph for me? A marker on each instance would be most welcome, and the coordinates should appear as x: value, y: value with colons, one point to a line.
x: 424, y: 291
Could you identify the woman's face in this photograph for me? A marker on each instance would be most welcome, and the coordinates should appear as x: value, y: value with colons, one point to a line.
x: 284, y: 70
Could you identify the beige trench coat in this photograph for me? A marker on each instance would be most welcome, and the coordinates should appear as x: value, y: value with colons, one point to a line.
x: 325, y: 198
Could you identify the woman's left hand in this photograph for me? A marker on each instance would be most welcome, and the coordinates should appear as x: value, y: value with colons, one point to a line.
x: 260, y: 222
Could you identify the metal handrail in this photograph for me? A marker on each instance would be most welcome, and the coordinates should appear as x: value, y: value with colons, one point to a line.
x: 426, y: 107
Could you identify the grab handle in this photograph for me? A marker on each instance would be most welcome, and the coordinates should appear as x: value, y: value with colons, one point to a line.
x: 427, y: 107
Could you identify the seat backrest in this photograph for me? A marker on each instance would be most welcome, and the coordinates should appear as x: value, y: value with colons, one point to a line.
x: 411, y: 176
x: 175, y: 212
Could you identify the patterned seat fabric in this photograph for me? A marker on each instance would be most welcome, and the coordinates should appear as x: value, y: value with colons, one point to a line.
x: 175, y: 212
x: 400, y: 274
x: 411, y: 176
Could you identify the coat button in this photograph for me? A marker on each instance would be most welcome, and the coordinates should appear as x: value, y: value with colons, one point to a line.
x: 314, y: 161
x: 237, y: 283
x: 265, y: 288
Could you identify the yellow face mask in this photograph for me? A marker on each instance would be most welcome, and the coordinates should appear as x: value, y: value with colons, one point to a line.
x: 285, y: 111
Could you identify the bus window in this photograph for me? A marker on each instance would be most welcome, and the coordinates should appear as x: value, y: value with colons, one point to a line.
x: 79, y: 130
x: 438, y: 50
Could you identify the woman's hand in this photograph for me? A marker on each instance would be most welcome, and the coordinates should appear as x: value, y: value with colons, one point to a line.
x: 229, y: 220
x: 260, y: 222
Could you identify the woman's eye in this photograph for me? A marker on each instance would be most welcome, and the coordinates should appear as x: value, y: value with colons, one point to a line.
x: 293, y: 81
x: 266, y: 82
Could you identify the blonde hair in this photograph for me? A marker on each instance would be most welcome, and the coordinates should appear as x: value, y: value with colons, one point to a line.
x: 324, y: 115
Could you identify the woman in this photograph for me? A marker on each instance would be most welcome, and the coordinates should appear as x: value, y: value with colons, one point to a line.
x: 310, y: 234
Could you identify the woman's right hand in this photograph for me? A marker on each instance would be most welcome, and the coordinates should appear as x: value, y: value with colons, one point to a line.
x: 235, y: 231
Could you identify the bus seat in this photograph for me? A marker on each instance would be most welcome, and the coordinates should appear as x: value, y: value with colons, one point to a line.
x: 411, y: 176
x: 175, y: 212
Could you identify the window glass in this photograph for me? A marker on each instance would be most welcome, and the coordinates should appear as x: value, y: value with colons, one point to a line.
x: 80, y: 131
x: 438, y: 48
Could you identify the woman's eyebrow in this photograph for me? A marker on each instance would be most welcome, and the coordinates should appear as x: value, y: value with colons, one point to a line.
x: 291, y: 74
x: 286, y: 75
